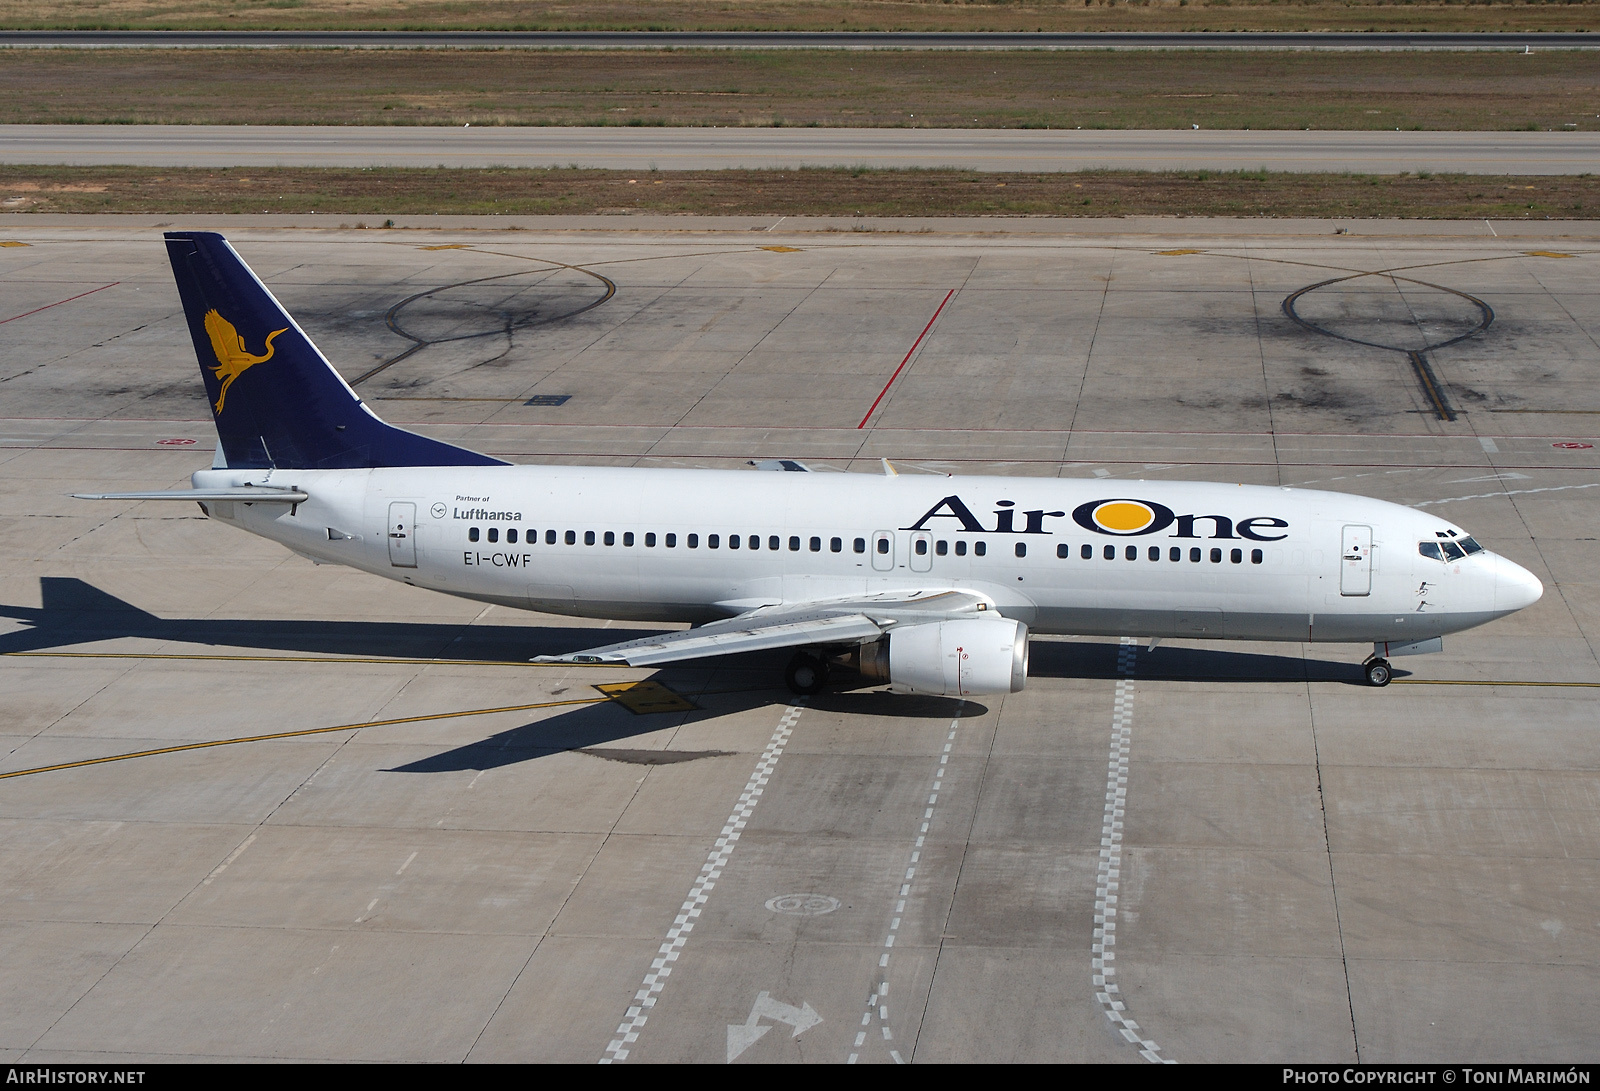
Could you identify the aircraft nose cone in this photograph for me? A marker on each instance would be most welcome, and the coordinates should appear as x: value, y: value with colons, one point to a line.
x: 1514, y: 586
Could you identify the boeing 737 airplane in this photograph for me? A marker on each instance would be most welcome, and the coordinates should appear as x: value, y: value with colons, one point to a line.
x: 928, y: 584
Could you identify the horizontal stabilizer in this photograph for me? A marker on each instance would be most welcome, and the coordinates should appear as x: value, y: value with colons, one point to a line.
x: 261, y: 494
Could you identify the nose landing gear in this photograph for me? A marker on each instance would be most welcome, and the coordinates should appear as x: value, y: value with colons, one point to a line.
x: 1377, y: 671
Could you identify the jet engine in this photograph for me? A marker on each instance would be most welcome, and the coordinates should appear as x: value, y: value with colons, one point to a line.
x: 950, y: 658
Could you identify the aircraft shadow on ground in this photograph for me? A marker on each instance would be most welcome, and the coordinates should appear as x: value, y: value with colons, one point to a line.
x: 1078, y: 659
x: 74, y: 612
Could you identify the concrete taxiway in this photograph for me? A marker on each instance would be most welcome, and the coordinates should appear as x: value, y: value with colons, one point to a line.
x: 645, y: 148
x: 443, y: 853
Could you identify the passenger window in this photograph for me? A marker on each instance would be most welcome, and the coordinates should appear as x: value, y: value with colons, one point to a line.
x: 979, y: 548
x: 941, y: 548
x: 694, y: 541
x: 650, y: 539
x: 1216, y: 556
x: 713, y: 541
x: 816, y: 545
x: 921, y: 547
x: 772, y: 542
x: 1430, y: 549
x: 611, y: 538
x: 1469, y: 547
x: 1110, y: 552
x: 859, y: 545
x: 472, y: 534
x: 794, y: 543
x: 1155, y: 553
x: 494, y: 534
x: 961, y: 549
x: 511, y: 536
x: 1131, y: 553
x: 549, y: 537
x: 755, y: 542
x: 672, y: 541
x: 1452, y: 552
x: 883, y: 545
x: 1022, y: 549
x: 1087, y: 552
x: 1063, y: 550
x: 733, y: 541
x: 1255, y: 556
x: 588, y: 537
x: 627, y: 538
x: 1194, y: 555
x: 1236, y: 556
x: 1174, y: 554
x: 572, y: 537
x: 836, y: 545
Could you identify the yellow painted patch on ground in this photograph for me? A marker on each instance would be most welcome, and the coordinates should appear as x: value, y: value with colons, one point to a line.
x: 1547, y: 254
x: 782, y: 249
x: 13, y: 242
x: 1176, y: 253
x: 643, y: 698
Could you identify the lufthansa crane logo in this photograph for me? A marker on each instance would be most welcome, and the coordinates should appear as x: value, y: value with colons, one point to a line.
x: 233, y: 357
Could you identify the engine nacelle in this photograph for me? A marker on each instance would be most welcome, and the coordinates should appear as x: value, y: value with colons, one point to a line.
x: 951, y: 658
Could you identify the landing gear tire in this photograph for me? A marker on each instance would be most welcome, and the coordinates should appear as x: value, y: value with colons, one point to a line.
x: 1377, y: 671
x: 806, y: 674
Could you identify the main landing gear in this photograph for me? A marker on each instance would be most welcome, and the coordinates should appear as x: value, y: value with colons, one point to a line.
x: 806, y: 674
x: 1377, y: 671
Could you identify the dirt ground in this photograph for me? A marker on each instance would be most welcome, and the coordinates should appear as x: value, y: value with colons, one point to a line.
x: 1022, y: 15
x: 377, y: 194
x: 1100, y: 89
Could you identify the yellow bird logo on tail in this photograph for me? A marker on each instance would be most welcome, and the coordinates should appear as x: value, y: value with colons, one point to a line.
x: 232, y: 357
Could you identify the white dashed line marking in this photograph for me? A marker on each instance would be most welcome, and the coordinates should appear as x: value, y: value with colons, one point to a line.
x: 1108, y: 880
x: 877, y: 1002
x: 678, y: 935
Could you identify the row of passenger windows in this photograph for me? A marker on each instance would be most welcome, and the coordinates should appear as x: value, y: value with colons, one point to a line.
x: 712, y: 541
x: 1174, y: 553
x: 836, y: 545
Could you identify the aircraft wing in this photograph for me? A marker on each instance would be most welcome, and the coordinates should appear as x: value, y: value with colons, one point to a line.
x: 788, y: 625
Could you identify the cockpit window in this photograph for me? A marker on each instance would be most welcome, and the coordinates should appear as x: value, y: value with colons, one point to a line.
x: 1430, y: 549
x: 1468, y: 546
x: 1452, y: 552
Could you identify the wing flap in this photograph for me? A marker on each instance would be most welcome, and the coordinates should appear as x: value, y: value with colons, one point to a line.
x: 728, y: 637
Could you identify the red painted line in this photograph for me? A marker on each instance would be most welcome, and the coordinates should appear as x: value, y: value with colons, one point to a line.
x: 58, y: 303
x: 884, y: 392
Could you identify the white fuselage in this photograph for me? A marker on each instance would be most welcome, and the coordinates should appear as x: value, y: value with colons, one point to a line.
x: 1223, y: 561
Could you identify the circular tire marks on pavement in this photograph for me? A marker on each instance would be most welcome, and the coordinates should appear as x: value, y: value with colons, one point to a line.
x: 465, y: 311
x: 1429, y: 325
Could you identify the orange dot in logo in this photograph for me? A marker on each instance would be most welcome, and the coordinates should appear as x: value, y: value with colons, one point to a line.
x: 1123, y: 516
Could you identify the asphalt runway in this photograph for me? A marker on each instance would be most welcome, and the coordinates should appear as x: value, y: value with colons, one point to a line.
x: 647, y: 148
x: 436, y: 851
x: 577, y: 39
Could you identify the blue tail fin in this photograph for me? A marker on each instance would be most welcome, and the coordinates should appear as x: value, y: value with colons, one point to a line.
x: 276, y: 399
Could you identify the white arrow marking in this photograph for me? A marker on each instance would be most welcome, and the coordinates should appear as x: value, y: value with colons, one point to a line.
x: 741, y: 1036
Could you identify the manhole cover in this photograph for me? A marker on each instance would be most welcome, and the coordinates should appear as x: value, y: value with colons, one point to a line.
x: 803, y: 905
